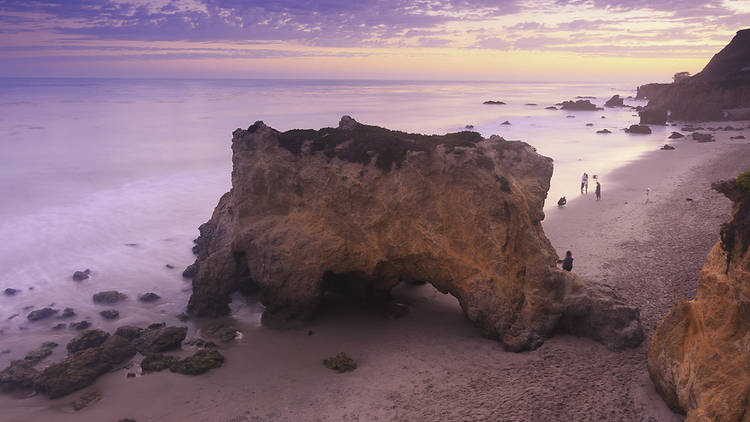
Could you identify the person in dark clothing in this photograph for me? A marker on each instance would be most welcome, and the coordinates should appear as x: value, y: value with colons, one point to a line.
x: 598, y: 191
x: 568, y: 261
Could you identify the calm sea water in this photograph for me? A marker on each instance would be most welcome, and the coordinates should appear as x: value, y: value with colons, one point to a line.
x: 116, y: 175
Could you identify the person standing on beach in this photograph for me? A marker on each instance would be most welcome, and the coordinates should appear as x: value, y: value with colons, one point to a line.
x: 585, y: 182
x: 567, y: 263
x: 598, y: 191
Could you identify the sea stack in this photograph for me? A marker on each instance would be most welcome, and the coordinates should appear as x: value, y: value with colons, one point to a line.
x: 357, y: 209
x: 699, y: 358
x: 721, y: 91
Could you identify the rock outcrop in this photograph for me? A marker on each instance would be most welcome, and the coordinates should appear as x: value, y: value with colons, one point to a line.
x: 583, y: 105
x: 720, y: 92
x: 358, y: 209
x: 699, y: 358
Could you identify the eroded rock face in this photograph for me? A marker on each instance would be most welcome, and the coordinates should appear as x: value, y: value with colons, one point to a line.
x: 721, y: 91
x: 699, y: 358
x: 358, y: 209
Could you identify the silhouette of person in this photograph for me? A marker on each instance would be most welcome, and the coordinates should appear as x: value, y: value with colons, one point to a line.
x: 598, y: 191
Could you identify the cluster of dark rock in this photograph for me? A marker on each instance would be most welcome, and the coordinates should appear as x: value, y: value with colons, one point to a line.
x: 93, y: 353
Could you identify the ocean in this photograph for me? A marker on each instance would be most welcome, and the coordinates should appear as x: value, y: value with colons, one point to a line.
x: 116, y: 175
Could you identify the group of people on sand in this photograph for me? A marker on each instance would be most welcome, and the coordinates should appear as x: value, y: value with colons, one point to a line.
x: 585, y: 189
x: 585, y: 186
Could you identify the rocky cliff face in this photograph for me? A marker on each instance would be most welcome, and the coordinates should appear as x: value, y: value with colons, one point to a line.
x: 358, y: 209
x: 720, y: 92
x: 699, y: 358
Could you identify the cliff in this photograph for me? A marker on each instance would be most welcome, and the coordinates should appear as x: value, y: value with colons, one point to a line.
x: 357, y: 209
x: 699, y: 357
x: 721, y: 91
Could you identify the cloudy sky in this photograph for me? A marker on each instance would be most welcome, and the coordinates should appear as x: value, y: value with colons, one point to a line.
x: 571, y: 40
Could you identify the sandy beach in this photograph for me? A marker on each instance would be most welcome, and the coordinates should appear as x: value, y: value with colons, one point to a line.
x: 433, y: 364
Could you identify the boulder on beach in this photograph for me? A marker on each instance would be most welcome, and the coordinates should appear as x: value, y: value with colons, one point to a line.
x: 81, y: 275
x: 615, y: 101
x: 200, y: 362
x: 340, y: 363
x: 86, y: 340
x: 356, y: 209
x: 676, y: 135
x: 698, y: 358
x: 584, y: 105
x: 639, y: 129
x: 109, y: 297
x: 721, y: 91
x: 41, y: 314
x: 110, y: 314
x: 160, y: 339
x: 155, y: 362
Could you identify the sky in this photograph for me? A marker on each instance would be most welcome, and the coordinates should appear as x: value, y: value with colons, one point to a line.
x: 514, y: 40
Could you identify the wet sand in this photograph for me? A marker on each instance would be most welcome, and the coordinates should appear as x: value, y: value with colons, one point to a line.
x: 433, y: 364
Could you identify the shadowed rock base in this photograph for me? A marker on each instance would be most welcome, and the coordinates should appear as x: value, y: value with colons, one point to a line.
x: 358, y: 209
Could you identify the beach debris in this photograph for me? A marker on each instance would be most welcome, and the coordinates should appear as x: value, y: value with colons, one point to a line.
x: 340, y: 363
x: 41, y: 314
x: 129, y: 332
x: 639, y: 129
x: 81, y: 275
x: 10, y: 292
x: 604, y: 131
x: 109, y: 297
x: 160, y: 339
x: 667, y: 147
x: 149, y: 297
x: 395, y: 310
x: 68, y: 313
x: 492, y: 102
x: 676, y: 135
x: 81, y: 325
x: 155, y: 362
x: 110, y: 314
x: 200, y: 362
x: 505, y: 123
x: 583, y: 105
x: 703, y: 137
x: 86, y: 399
x: 615, y: 101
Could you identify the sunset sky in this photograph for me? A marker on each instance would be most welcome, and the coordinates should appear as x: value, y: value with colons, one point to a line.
x: 531, y: 40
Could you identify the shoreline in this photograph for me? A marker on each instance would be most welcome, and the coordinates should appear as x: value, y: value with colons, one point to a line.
x: 433, y: 364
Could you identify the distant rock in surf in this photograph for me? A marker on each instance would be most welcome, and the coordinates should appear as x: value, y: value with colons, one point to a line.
x: 638, y: 129
x: 583, y: 105
x: 491, y: 102
x: 81, y: 275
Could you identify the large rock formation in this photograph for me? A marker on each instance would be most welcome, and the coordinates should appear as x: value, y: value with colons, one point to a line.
x: 699, y: 358
x: 357, y: 209
x: 720, y: 92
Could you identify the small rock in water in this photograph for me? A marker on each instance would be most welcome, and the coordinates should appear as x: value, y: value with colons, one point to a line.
x: 492, y: 102
x: 688, y: 199
x: 703, y: 137
x: 469, y: 127
x: 341, y: 363
x: 639, y: 129
x: 157, y: 325
x: 110, y: 296
x: 667, y: 147
x: 589, y: 124
x: 737, y: 137
x: 155, y: 362
x: 132, y: 245
x: 676, y: 135
x: 86, y: 340
x: 12, y: 316
x: 603, y: 131
x: 149, y: 297
x: 550, y: 108
x: 86, y: 399
x: 202, y: 361
x: 129, y: 332
x: 183, y: 317
x: 190, y: 271
x: 10, y: 292
x: 4, y: 352
x: 41, y: 314
x: 505, y: 123
x: 60, y: 326
x: 68, y: 313
x: 110, y: 314
x: 81, y: 275
x: 35, y: 356
x: 222, y: 332
x: 170, y: 266
x: 81, y: 325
